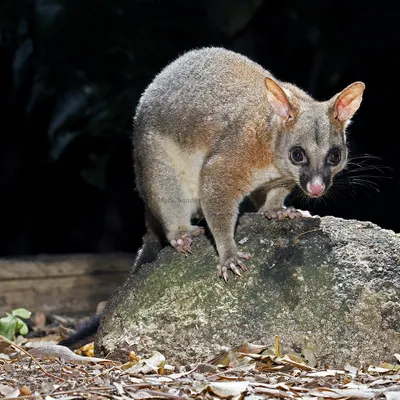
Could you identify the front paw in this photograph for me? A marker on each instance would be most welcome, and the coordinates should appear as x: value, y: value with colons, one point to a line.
x: 289, y: 212
x: 234, y: 264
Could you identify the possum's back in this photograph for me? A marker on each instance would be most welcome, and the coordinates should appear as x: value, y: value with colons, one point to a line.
x: 210, y: 86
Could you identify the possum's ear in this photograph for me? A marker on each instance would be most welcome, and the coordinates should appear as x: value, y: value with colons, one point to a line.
x: 278, y: 100
x: 347, y: 102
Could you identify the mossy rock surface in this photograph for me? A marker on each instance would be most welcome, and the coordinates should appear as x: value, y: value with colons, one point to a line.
x: 325, y: 283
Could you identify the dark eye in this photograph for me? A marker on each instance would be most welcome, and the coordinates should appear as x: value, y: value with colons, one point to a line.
x: 297, y: 155
x: 334, y: 157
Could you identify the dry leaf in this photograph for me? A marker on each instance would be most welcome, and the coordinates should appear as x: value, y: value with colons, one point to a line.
x: 254, y: 397
x: 86, y: 350
x: 392, y: 395
x: 379, y: 370
x: 153, y: 364
x: 228, y: 389
x: 25, y: 390
x: 119, y: 387
x: 391, y: 367
x: 310, y: 356
x: 322, y: 374
x: 55, y: 352
x: 351, y: 369
x: 249, y: 348
x: 8, y: 391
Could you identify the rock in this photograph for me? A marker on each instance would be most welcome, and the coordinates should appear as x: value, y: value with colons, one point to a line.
x: 326, y: 284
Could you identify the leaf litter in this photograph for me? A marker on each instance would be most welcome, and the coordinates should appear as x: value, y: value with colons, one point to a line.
x: 43, y: 370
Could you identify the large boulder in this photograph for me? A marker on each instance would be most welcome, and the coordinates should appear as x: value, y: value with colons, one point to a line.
x: 325, y: 283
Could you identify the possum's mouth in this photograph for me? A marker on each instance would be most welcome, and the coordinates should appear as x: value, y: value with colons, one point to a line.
x: 314, y: 191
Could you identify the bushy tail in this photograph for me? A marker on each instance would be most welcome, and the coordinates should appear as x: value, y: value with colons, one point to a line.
x: 153, y: 242
x: 83, y: 333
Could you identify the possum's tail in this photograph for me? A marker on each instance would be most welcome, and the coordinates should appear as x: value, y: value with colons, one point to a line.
x: 83, y: 334
x: 153, y: 242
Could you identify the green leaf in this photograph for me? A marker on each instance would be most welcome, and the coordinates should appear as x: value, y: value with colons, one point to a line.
x: 22, y: 328
x: 7, y: 320
x: 21, y: 312
x: 8, y: 329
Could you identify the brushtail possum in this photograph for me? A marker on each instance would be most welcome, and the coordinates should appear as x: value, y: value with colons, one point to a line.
x: 214, y: 127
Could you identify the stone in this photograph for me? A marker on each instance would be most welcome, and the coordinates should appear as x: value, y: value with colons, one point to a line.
x: 326, y: 284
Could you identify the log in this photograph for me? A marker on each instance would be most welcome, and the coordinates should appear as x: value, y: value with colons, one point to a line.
x: 61, y: 284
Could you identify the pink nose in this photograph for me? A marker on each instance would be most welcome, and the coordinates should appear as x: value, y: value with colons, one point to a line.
x: 317, y: 189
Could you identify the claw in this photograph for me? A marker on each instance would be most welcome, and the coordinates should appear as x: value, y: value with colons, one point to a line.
x: 246, y: 256
x: 283, y: 213
x: 234, y: 264
x: 234, y: 269
x: 183, y: 243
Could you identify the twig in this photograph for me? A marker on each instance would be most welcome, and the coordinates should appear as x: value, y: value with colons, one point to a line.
x: 240, y: 368
x: 15, y: 346
x: 164, y: 394
x: 105, y: 372
x: 301, y: 234
x: 89, y: 389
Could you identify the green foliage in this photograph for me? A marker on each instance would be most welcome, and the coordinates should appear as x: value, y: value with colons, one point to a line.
x: 12, y: 324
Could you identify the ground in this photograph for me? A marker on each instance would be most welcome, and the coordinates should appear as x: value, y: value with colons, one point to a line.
x: 248, y: 371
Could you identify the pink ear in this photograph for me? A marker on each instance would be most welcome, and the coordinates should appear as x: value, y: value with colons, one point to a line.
x: 348, y: 101
x: 278, y: 99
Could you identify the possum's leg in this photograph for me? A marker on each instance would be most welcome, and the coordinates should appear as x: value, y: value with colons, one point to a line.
x: 274, y: 208
x: 166, y: 196
x: 221, y: 193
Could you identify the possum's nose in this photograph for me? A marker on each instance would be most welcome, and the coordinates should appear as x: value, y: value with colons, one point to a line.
x: 315, y: 187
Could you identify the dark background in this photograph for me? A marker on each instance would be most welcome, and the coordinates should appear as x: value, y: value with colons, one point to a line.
x: 72, y: 71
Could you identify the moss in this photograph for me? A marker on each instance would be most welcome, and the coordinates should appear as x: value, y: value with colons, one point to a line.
x: 307, y: 282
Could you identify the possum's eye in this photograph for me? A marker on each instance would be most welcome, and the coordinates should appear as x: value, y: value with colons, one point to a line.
x: 334, y: 156
x: 297, y: 155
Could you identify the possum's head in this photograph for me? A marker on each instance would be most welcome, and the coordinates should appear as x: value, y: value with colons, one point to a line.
x: 310, y: 146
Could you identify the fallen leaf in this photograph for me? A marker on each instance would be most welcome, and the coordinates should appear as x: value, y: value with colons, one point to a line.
x: 254, y: 397
x: 310, y: 356
x: 119, y: 388
x: 228, y: 389
x: 249, y: 348
x: 322, y: 374
x: 86, y: 350
x: 391, y: 367
x: 274, y: 393
x: 392, y: 395
x: 153, y: 364
x: 380, y: 370
x: 351, y: 369
x: 25, y: 390
x: 8, y: 391
x: 379, y: 382
x: 40, y: 341
x: 51, y: 352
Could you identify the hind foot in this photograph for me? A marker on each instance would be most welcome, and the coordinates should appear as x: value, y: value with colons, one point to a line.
x: 183, y: 243
x: 289, y: 212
